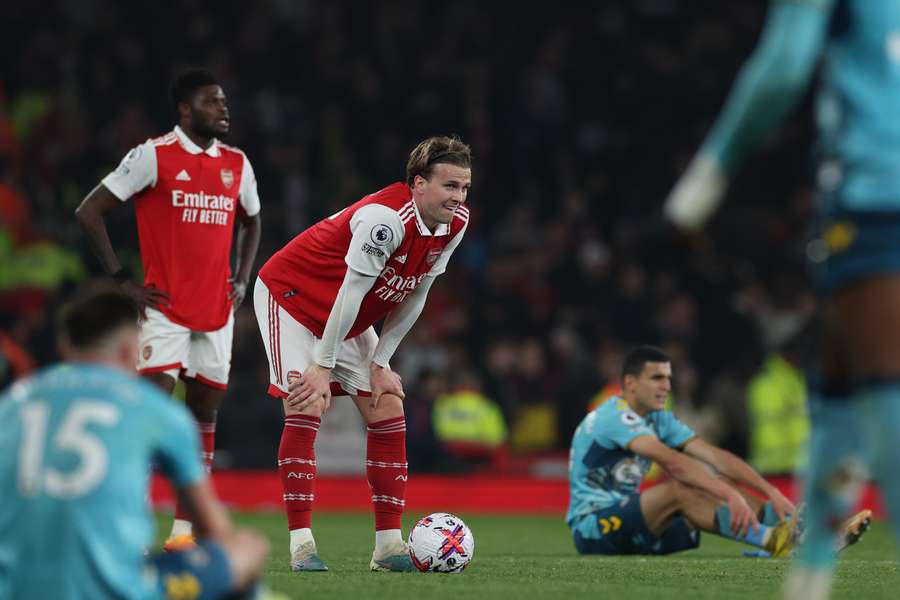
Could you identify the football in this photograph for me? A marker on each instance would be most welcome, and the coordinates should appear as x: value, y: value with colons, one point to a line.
x: 441, y: 542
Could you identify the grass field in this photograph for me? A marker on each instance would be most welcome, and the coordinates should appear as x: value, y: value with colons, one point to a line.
x: 522, y: 557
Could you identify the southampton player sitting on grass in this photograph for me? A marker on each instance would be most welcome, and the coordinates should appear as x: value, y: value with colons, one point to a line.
x: 316, y: 301
x: 612, y: 450
x: 76, y: 445
x: 188, y: 191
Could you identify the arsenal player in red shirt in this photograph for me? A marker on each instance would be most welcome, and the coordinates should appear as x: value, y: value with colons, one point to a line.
x: 316, y: 301
x: 187, y: 188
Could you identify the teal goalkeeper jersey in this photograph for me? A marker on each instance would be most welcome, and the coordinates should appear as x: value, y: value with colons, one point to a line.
x: 858, y: 108
x: 602, y: 470
x: 76, y: 446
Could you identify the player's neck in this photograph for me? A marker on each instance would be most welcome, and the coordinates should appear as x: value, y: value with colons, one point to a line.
x: 635, y: 406
x: 201, y: 141
x: 425, y: 221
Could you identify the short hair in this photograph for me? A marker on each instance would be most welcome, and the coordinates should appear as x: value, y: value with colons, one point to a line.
x: 638, y: 357
x: 187, y: 82
x: 439, y: 149
x: 93, y: 314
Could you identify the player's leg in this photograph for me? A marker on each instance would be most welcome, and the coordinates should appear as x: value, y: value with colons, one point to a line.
x: 664, y: 504
x: 206, y: 381
x: 288, y: 344
x: 386, y: 471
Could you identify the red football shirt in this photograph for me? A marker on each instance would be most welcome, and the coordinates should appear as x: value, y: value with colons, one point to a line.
x: 185, y: 200
x: 381, y: 235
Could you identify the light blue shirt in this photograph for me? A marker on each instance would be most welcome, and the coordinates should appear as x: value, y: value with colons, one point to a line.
x: 602, y: 470
x: 76, y: 445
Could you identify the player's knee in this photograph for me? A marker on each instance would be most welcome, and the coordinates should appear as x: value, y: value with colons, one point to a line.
x: 315, y: 408
x: 390, y: 406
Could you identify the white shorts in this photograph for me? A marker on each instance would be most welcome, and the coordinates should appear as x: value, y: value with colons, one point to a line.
x: 170, y: 348
x: 289, y: 347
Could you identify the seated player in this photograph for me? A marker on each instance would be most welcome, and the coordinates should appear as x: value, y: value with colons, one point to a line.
x: 76, y: 444
x: 613, y: 449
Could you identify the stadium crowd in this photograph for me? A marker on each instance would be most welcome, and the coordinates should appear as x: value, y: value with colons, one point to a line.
x: 580, y: 117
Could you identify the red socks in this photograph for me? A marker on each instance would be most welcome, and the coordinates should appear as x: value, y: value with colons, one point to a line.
x: 207, y: 433
x: 297, y: 467
x: 386, y: 470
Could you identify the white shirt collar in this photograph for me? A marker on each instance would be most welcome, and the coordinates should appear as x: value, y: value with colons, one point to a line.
x: 441, y: 229
x: 193, y: 148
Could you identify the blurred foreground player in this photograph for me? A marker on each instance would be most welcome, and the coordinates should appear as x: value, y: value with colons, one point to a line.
x: 187, y: 188
x: 855, y: 385
x: 76, y: 444
x: 316, y: 301
x: 612, y: 450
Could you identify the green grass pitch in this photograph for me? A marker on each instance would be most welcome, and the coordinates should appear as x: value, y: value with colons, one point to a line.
x: 523, y: 557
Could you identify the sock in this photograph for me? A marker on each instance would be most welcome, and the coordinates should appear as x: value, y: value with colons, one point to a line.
x: 207, y: 433
x: 387, y: 538
x: 835, y: 475
x: 297, y: 467
x: 300, y: 537
x: 386, y: 470
x: 754, y: 538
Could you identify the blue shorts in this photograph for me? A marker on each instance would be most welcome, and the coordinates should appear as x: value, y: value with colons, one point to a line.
x: 853, y: 246
x: 201, y: 573
x: 621, y: 529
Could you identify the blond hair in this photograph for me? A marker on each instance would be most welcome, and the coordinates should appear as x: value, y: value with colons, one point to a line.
x: 439, y: 149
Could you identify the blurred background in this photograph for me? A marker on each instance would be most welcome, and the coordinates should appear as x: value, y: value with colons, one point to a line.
x: 580, y: 117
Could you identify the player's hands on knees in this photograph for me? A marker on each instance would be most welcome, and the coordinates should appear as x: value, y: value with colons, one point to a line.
x: 742, y: 516
x: 146, y: 296
x: 313, y: 386
x: 783, y: 507
x: 384, y: 381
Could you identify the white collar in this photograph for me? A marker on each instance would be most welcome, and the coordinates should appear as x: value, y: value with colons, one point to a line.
x: 189, y: 145
x: 441, y: 229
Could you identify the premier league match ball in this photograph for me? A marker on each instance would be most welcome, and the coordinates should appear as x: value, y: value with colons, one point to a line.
x: 441, y: 542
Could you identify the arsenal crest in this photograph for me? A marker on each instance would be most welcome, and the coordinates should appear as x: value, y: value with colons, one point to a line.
x: 148, y: 350
x: 432, y: 256
x: 227, y: 177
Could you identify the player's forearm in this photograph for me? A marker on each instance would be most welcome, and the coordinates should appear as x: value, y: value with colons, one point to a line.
x: 692, y: 473
x: 771, y: 83
x: 739, y: 471
x: 399, y: 322
x: 247, y: 245
x: 90, y: 218
x: 343, y: 315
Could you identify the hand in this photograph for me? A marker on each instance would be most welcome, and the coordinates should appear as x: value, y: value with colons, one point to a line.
x: 783, y: 507
x: 384, y: 381
x: 742, y: 516
x: 313, y: 386
x: 696, y: 195
x: 237, y: 293
x: 146, y: 296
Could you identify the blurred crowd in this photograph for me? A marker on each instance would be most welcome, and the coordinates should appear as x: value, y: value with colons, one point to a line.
x: 580, y: 117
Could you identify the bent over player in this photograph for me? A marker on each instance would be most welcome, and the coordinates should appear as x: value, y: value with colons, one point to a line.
x: 76, y: 445
x: 187, y: 189
x: 316, y: 301
x: 612, y: 450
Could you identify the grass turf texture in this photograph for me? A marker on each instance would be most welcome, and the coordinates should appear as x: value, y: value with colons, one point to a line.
x: 521, y: 557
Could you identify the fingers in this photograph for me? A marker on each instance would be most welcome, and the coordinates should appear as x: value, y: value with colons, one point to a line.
x: 373, y: 400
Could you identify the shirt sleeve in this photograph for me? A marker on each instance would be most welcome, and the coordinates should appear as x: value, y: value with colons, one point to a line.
x: 136, y: 172
x: 618, y: 429
x: 673, y: 432
x: 249, y: 196
x: 177, y: 453
x: 772, y: 81
x: 440, y: 265
x: 377, y: 233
